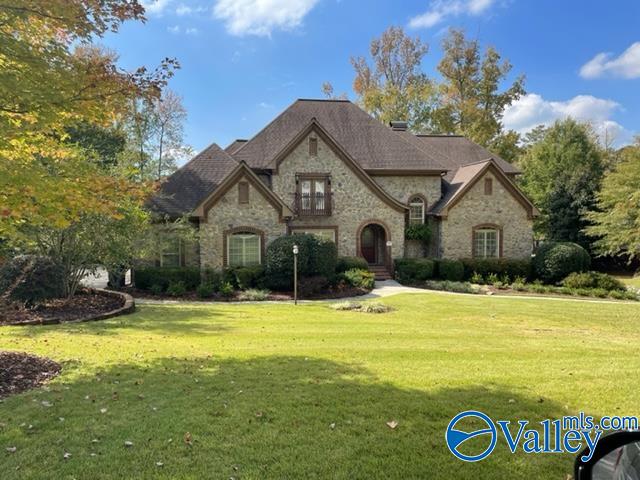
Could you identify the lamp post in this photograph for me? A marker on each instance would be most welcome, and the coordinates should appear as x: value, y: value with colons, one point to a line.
x: 295, y: 274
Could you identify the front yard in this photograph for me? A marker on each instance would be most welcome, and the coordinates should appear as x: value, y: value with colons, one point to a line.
x: 277, y: 391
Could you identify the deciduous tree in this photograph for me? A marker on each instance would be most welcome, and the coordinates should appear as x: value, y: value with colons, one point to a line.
x: 616, y: 218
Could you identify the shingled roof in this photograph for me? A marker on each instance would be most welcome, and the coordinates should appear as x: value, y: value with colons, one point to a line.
x: 371, y: 144
x: 184, y: 190
x: 456, y: 151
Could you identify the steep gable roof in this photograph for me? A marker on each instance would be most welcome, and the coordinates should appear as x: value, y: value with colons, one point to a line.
x: 370, y: 143
x: 182, y: 191
x: 467, y: 176
x: 323, y: 133
x: 241, y: 171
x: 234, y: 146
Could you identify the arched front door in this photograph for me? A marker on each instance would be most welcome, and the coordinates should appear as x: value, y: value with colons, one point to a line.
x: 373, y: 243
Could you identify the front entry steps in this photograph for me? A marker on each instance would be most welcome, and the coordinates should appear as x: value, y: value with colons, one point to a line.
x: 380, y: 272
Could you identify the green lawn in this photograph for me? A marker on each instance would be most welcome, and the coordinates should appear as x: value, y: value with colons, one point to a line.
x: 277, y: 391
x: 631, y: 281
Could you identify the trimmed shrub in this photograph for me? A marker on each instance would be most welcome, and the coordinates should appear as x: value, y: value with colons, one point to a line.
x: 226, y: 290
x: 414, y: 269
x: 316, y: 258
x: 42, y: 281
x: 212, y: 277
x: 205, y: 290
x: 555, y: 260
x: 349, y: 263
x: 253, y: 295
x: 593, y: 280
x: 360, y: 278
x: 156, y: 289
x: 146, y: 276
x: 500, y: 266
x: 374, y: 307
x: 452, y: 270
x: 248, y: 277
x: 177, y: 289
x: 326, y: 259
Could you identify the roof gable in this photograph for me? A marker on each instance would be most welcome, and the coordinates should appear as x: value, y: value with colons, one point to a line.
x: 368, y: 142
x: 467, y: 176
x: 181, y: 192
x: 241, y: 171
x: 341, y: 153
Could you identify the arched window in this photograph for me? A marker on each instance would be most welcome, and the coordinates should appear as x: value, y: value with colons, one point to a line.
x: 243, y: 249
x: 416, y: 210
x: 486, y: 242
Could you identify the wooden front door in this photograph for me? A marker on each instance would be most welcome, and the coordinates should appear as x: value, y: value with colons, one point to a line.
x: 371, y: 244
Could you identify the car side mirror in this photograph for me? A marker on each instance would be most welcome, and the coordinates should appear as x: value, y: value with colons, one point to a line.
x: 615, y: 457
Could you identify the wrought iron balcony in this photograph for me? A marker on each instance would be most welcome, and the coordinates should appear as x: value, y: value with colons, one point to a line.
x: 312, y: 205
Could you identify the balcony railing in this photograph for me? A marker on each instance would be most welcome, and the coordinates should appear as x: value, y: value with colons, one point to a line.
x: 312, y: 205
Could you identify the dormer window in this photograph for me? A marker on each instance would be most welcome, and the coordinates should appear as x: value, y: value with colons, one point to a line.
x: 416, y: 210
x: 313, y: 146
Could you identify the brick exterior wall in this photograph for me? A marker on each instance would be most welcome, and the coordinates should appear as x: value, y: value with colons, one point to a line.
x: 476, y: 208
x: 229, y: 214
x: 353, y: 201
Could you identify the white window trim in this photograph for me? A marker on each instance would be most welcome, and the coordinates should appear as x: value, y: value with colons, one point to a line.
x: 243, y: 233
x: 413, y: 203
x: 484, y: 231
x: 178, y: 254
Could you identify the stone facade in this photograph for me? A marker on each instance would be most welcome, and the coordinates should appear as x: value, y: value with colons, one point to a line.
x: 404, y: 187
x: 353, y: 202
x: 475, y: 208
x: 228, y: 213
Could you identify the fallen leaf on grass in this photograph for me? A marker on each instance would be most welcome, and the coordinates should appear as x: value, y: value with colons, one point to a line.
x: 128, y: 443
x: 159, y: 464
x: 103, y: 410
x: 392, y: 424
x: 187, y: 439
x: 11, y: 449
x: 66, y: 455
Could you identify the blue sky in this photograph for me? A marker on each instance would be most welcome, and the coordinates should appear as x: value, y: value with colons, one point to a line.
x: 244, y: 61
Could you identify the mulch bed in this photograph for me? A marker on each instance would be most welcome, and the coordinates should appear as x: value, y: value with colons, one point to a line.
x: 273, y: 296
x: 21, y: 371
x: 84, y: 304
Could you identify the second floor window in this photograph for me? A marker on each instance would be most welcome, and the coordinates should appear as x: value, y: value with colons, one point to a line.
x: 313, y: 195
x: 416, y: 211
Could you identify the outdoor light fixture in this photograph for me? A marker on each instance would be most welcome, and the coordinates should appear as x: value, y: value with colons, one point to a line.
x: 295, y: 274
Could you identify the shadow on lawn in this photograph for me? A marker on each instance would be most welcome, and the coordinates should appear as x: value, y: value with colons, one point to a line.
x: 150, y: 319
x: 265, y: 417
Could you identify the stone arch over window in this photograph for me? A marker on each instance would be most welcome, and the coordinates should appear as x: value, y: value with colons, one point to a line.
x: 486, y: 241
x: 243, y: 246
x: 417, y: 209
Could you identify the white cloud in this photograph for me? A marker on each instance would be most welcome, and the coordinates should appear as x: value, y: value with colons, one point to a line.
x: 627, y: 65
x: 265, y: 105
x: 439, y: 10
x: 261, y: 17
x: 183, y: 9
x: 175, y: 29
x: 532, y: 110
x: 191, y: 31
x: 155, y: 7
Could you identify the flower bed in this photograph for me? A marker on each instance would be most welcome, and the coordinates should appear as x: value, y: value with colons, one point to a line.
x: 86, y: 305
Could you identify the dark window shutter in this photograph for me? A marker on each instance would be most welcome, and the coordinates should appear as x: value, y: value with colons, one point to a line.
x: 313, y: 146
x: 488, y: 186
x: 243, y: 192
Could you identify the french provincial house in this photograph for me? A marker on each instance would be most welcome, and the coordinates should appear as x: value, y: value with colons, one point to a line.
x: 328, y: 168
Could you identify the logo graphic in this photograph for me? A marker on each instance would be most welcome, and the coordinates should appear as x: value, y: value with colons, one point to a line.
x: 455, y: 438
